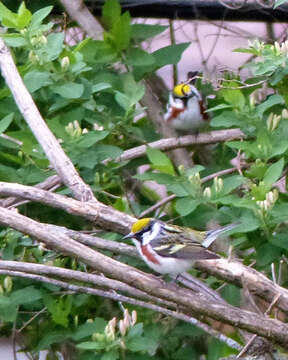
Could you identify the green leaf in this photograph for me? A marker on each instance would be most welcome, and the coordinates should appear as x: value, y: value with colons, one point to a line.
x: 54, y: 46
x: 170, y: 54
x: 225, y: 119
x: 35, y: 80
x: 38, y: 16
x: 233, y: 96
x: 91, y: 345
x: 14, y: 40
x: 111, y: 12
x: 51, y: 337
x: 231, y: 183
x: 5, y: 122
x: 8, y: 18
x: 139, y: 57
x: 267, y: 104
x: 99, y: 52
x: 246, y: 51
x: 279, y: 2
x: 100, y: 86
x: 160, y: 178
x: 59, y: 309
x: 279, y: 213
x: 274, y: 172
x: 132, y: 89
x: 121, y: 32
x: 26, y: 295
x: 160, y: 161
x: 24, y: 16
x: 97, y: 154
x: 111, y: 355
x: 87, y: 329
x: 279, y: 240
x: 69, y: 90
x: 123, y: 100
x: 267, y: 253
x: 186, y: 205
x: 231, y: 294
x: 140, y: 32
x: 8, y: 310
x: 219, y: 107
x: 137, y: 344
x: 88, y: 140
x: 134, y: 331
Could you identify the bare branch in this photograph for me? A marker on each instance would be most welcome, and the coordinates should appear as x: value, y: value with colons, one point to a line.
x: 183, y: 141
x: 60, y: 162
x: 114, y: 296
x: 73, y: 275
x: 169, y: 198
x: 79, y: 12
x: 198, y: 304
x: 257, y: 283
x: 50, y: 184
x: 100, y: 214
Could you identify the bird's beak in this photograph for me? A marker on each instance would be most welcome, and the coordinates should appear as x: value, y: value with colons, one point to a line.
x: 128, y: 236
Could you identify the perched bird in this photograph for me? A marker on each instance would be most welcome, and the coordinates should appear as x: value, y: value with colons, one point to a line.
x: 171, y: 249
x: 186, y: 108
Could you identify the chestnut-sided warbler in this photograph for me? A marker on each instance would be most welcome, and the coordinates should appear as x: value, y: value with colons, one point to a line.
x: 171, y: 249
x: 186, y: 108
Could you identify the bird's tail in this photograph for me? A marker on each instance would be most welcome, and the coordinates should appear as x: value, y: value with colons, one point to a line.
x: 212, y: 235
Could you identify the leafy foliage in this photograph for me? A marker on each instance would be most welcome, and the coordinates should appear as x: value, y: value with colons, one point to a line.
x: 93, y: 109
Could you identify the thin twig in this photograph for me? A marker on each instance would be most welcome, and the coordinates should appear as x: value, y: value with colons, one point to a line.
x: 267, y: 312
x: 115, y: 296
x: 31, y: 319
x: 217, y: 174
x: 9, y: 138
x: 173, y: 42
x: 245, y: 86
x: 14, y: 336
x: 57, y: 157
x: 173, y: 196
x: 167, y: 144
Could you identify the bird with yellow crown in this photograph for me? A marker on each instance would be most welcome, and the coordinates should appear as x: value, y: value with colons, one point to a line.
x: 186, y: 108
x: 172, y: 249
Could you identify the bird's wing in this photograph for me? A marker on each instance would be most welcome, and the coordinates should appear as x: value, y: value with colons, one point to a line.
x: 175, y: 234
x: 174, y: 242
x: 189, y: 252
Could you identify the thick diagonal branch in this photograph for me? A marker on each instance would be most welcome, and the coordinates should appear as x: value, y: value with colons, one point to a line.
x: 113, y: 220
x: 57, y: 157
x: 198, y: 305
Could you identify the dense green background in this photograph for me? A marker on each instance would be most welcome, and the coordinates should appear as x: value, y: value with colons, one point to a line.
x: 91, y: 107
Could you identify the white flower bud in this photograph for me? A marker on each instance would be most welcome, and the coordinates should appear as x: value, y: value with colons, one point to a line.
x: 43, y: 40
x: 126, y: 318
x: 76, y: 320
x: 133, y: 317
x: 269, y: 121
x: 65, y: 63
x: 33, y: 58
x: 218, y: 184
x: 266, y: 205
x: 8, y: 283
x: 284, y: 114
x: 122, y: 328
x: 277, y: 48
x: 275, y: 194
x: 110, y: 329
x: 207, y: 192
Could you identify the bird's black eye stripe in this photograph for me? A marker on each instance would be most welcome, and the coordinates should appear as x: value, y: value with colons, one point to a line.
x: 140, y: 233
x: 183, y: 92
